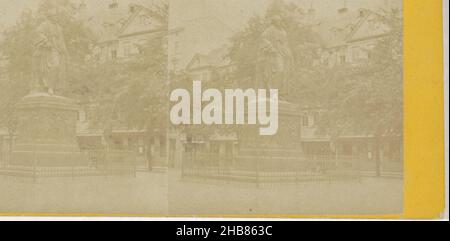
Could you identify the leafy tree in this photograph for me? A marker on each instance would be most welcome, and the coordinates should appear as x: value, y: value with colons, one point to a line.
x: 245, y: 54
x: 367, y: 99
x: 16, y: 49
x: 364, y: 99
x: 132, y: 93
x: 245, y: 48
x: 135, y: 91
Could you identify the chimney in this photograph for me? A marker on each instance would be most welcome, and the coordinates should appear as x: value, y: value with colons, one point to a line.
x: 132, y: 8
x: 344, y: 9
x: 82, y: 10
x: 362, y: 12
x: 83, y: 5
x: 387, y: 5
x: 113, y: 4
x: 311, y: 11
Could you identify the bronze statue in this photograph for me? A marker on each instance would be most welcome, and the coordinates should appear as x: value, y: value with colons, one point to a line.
x: 275, y: 56
x: 49, y: 56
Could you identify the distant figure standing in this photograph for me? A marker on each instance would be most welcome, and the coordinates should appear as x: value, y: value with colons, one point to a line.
x: 49, y: 56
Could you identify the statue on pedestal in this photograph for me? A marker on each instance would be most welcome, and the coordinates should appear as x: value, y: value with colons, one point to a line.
x: 49, y: 56
x: 275, y: 58
x: 46, y: 120
x: 274, y: 69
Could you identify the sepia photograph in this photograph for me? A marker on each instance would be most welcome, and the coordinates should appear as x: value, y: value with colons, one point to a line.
x: 82, y: 107
x: 338, y: 70
x: 202, y: 108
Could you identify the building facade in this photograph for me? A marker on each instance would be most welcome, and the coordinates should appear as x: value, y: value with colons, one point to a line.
x: 121, y: 29
x: 348, y: 39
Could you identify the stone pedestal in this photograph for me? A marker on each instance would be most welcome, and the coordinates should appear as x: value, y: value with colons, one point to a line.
x: 287, y: 137
x: 277, y: 152
x: 46, y: 131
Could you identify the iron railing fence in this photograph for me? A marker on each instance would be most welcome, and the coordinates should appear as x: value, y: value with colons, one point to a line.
x: 285, y: 166
x: 68, y: 164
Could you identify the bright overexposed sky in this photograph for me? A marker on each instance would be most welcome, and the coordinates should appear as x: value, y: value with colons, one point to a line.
x: 232, y: 12
x: 236, y: 12
x: 11, y: 9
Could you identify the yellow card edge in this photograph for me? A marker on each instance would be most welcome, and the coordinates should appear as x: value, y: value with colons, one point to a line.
x: 424, y: 135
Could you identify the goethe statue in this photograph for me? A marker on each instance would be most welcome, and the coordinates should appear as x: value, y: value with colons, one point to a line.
x: 49, y: 55
x: 275, y: 55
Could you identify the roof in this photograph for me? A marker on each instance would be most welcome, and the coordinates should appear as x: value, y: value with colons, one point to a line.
x: 338, y: 30
x: 107, y: 24
x: 215, y: 58
x: 198, y: 36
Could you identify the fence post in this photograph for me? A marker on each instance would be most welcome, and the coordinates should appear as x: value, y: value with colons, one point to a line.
x: 219, y: 163
x: 73, y: 168
x: 105, y: 156
x: 134, y: 163
x: 34, y: 166
x: 182, y: 164
x: 257, y: 168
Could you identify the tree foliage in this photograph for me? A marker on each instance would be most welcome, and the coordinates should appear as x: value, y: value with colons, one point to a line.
x: 367, y: 99
x: 133, y: 93
x: 16, y: 47
x: 245, y: 48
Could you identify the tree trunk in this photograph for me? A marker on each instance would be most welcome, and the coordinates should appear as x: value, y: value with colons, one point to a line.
x: 377, y: 156
x: 148, y: 153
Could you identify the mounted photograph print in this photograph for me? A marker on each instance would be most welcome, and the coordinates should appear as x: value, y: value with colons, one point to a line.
x: 213, y: 108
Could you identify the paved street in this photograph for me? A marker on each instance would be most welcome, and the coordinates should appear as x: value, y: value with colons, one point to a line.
x: 147, y: 194
x: 370, y: 196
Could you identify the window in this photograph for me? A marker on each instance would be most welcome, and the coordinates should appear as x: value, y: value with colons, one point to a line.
x: 127, y: 49
x: 205, y: 76
x: 342, y: 59
x: 162, y: 146
x: 115, y: 116
x: 82, y: 116
x: 361, y: 13
x: 347, y: 149
x: 196, y: 77
x: 355, y: 54
x: 113, y: 4
x: 132, y: 8
x: 305, y: 121
x: 316, y: 118
x: 114, y: 54
x: 144, y: 20
x: 176, y: 47
x: 175, y: 64
x: 215, y: 147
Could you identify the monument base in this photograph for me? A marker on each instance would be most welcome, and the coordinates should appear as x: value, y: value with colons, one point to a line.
x: 288, y: 135
x: 46, y: 132
x: 277, y: 152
